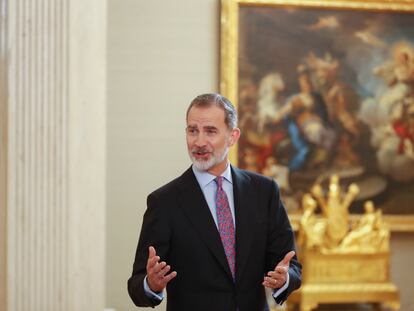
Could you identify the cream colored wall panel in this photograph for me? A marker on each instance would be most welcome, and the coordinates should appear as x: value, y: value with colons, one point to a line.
x: 161, y: 54
x: 402, y: 275
x: 87, y: 153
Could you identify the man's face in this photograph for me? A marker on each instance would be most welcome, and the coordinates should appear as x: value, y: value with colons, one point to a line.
x: 209, y: 138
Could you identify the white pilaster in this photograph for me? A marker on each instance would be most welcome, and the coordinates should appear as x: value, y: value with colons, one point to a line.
x: 3, y: 158
x: 55, y: 161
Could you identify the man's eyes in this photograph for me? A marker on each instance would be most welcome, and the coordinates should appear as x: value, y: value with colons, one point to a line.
x: 211, y: 131
x: 192, y: 130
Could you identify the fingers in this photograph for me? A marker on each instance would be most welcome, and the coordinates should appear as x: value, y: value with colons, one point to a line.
x: 281, y: 270
x: 278, y: 272
x: 285, y: 261
x: 272, y: 283
x: 157, y: 276
x: 170, y: 276
x: 152, y: 258
x: 152, y: 252
x: 159, y: 266
x: 160, y: 270
x: 277, y: 278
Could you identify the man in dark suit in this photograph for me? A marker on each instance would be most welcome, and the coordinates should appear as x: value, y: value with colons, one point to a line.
x: 223, y: 231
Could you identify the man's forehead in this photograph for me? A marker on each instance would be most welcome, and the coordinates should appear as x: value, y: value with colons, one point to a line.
x: 211, y: 114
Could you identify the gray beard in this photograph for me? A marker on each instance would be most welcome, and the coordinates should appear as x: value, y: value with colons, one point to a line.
x: 206, y: 165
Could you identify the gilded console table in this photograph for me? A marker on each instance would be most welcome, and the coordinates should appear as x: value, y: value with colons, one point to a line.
x: 345, y: 278
x: 343, y: 262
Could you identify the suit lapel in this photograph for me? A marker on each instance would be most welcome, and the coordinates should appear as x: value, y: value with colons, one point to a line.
x: 243, y: 193
x: 196, y: 209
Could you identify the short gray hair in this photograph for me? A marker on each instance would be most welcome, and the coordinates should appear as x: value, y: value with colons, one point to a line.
x: 210, y: 99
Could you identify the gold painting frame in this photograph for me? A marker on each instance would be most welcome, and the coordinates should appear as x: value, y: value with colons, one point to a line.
x: 229, y: 57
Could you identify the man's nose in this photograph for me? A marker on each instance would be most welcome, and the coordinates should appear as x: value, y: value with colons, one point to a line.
x: 200, y: 140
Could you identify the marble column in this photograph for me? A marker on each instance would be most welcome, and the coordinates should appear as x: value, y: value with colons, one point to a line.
x: 55, y: 162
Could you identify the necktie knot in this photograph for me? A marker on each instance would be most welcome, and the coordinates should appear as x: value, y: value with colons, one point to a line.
x: 219, y: 181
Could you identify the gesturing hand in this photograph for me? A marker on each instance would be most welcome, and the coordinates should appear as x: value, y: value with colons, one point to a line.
x: 277, y: 278
x: 157, y: 276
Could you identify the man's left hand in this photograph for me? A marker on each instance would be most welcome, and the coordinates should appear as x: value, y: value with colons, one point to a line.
x: 277, y: 278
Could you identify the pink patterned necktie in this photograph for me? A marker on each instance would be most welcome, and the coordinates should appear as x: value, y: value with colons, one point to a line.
x: 225, y: 225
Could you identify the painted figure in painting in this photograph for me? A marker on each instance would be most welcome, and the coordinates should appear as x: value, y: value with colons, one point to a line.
x: 329, y: 91
x: 308, y: 124
x: 392, y: 121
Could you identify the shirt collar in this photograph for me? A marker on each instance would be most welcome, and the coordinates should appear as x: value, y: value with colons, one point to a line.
x: 204, y: 178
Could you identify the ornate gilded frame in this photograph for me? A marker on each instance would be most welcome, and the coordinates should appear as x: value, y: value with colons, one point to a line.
x: 229, y: 54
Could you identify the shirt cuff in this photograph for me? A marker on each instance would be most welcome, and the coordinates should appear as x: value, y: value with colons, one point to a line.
x: 276, y: 293
x: 150, y: 294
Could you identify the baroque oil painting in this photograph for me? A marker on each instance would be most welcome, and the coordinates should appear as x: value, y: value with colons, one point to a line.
x: 328, y: 90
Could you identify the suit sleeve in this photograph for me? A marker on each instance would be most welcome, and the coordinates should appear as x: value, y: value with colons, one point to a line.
x: 155, y: 231
x: 281, y: 241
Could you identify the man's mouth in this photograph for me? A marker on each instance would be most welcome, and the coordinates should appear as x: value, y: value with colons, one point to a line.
x: 200, y: 154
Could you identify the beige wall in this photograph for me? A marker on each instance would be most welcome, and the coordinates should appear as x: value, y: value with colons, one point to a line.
x: 402, y: 272
x: 160, y: 55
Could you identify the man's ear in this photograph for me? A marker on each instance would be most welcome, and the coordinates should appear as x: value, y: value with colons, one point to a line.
x: 234, y: 136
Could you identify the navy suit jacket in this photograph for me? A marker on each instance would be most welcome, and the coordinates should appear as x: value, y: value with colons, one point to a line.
x: 179, y: 224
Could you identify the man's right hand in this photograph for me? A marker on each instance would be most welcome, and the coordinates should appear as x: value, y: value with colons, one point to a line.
x: 157, y: 276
